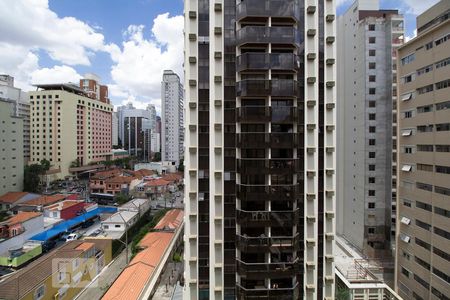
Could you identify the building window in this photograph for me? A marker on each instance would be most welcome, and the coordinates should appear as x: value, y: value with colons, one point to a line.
x: 424, y: 206
x: 372, y: 155
x: 372, y: 142
x: 371, y: 205
x: 425, y: 167
x: 425, y: 128
x: 372, y: 91
x: 425, y: 148
x: 372, y: 52
x: 39, y: 293
x: 425, y: 89
x: 372, y: 40
x: 443, y: 63
x: 372, y: 167
x: 408, y: 114
x: 407, y: 203
x: 371, y: 27
x: 443, y: 84
x: 423, y: 244
x: 429, y: 45
x: 405, y: 272
x: 372, y: 103
x: 424, y: 70
x: 372, y: 65
x: 372, y: 78
x: 408, y: 59
x: 423, y: 225
x: 422, y: 282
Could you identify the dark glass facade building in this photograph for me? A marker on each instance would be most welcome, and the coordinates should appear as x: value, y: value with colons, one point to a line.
x: 260, y: 144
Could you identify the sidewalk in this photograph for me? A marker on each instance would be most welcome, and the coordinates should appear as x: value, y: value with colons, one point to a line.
x: 169, y: 280
x: 103, y: 281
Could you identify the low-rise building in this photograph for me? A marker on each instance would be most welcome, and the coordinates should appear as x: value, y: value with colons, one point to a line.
x: 119, y: 184
x: 19, y: 228
x: 65, y: 210
x: 137, y: 205
x: 144, y: 271
x: 97, y: 181
x: 61, y: 274
x: 37, y: 204
x: 359, y: 278
x: 15, y: 257
x: 120, y: 221
x: 10, y: 199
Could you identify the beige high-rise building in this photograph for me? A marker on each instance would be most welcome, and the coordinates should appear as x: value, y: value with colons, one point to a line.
x: 69, y: 126
x: 11, y: 149
x: 423, y: 230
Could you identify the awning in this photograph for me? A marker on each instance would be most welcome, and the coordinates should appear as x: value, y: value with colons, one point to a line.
x: 406, y: 220
x: 406, y: 132
x: 405, y: 238
x: 406, y: 96
x: 406, y: 168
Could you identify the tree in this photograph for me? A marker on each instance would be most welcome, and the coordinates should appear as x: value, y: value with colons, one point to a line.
x: 45, y: 164
x: 31, y: 178
x: 157, y: 156
x: 121, y: 198
x: 75, y: 163
x: 342, y: 293
x: 181, y: 166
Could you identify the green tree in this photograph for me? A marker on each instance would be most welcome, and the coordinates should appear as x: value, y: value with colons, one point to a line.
x: 342, y: 293
x: 121, y: 198
x: 181, y: 166
x: 45, y: 164
x: 157, y: 156
x: 75, y: 163
x: 31, y: 178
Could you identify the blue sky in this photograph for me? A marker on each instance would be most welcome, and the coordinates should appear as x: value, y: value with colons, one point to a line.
x: 128, y: 43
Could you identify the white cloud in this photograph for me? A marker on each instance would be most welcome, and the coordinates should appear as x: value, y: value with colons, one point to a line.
x: 31, y: 24
x: 57, y: 74
x: 417, y: 7
x: 139, y: 63
x: 414, y: 34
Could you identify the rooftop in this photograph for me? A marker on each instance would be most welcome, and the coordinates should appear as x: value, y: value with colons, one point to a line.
x: 106, y: 174
x: 21, y: 217
x: 133, y: 279
x: 119, y: 180
x: 172, y: 177
x: 25, y: 280
x: 171, y: 221
x: 133, y: 204
x: 64, y: 204
x: 12, y: 197
x: 69, y: 87
x: 116, y: 218
x: 45, y: 200
x: 157, y: 182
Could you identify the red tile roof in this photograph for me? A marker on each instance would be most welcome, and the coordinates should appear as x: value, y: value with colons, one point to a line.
x: 133, y: 279
x: 106, y: 174
x: 172, y: 177
x: 144, y: 172
x: 171, y: 220
x: 45, y: 200
x: 157, y: 182
x: 64, y: 205
x: 22, y: 217
x: 12, y: 197
x: 120, y: 180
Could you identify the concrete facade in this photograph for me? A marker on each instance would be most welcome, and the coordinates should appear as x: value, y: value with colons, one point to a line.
x: 11, y: 149
x: 66, y: 126
x: 423, y: 227
x: 367, y: 39
x: 172, y: 120
x: 21, y: 109
x: 115, y: 129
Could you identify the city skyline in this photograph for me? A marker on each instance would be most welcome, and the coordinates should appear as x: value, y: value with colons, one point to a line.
x: 142, y: 39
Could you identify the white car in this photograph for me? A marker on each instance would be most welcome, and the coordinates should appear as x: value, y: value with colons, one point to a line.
x: 72, y: 237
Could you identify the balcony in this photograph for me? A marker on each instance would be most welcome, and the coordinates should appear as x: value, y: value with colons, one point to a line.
x: 266, y: 192
x: 264, y: 293
x: 267, y: 218
x: 264, y: 114
x: 265, y: 244
x: 265, y: 35
x: 266, y: 8
x: 269, y: 166
x: 252, y: 114
x: 260, y: 140
x: 266, y: 61
x: 264, y: 87
x: 268, y: 270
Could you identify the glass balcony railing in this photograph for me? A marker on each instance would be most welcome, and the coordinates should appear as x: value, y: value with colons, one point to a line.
x: 265, y: 35
x: 265, y: 293
x: 274, y: 114
x: 265, y: 87
x: 267, y: 218
x: 268, y: 270
x: 268, y: 192
x: 265, y: 61
x: 263, y: 243
x: 250, y: 166
x: 276, y: 140
x: 266, y: 8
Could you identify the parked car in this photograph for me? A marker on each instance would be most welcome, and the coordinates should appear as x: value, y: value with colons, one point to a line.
x: 48, y: 245
x: 87, y: 224
x: 72, y: 237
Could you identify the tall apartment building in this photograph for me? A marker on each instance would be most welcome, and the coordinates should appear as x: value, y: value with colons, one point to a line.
x: 11, y: 149
x: 260, y: 149
x: 115, y: 129
x: 69, y: 124
x: 367, y: 41
x: 21, y: 108
x: 172, y: 118
x: 423, y: 230
x: 135, y: 129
